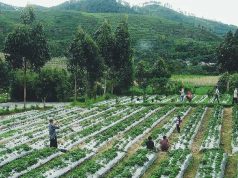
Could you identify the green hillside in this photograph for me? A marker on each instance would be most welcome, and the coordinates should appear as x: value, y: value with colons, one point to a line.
x: 6, y: 7
x: 151, y: 35
x: 167, y: 13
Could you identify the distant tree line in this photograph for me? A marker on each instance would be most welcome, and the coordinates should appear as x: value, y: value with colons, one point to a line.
x: 97, y: 65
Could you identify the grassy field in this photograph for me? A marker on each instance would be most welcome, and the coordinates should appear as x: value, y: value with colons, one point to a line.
x: 197, y: 80
x: 57, y: 62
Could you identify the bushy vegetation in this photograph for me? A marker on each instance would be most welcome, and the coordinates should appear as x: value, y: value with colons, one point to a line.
x: 228, y: 82
x: 47, y: 85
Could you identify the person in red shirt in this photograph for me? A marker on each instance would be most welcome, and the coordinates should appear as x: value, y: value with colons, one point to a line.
x: 164, y: 144
x: 189, y: 96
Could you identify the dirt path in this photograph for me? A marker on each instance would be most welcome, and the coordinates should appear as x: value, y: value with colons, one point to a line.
x: 226, y: 137
x: 197, y: 156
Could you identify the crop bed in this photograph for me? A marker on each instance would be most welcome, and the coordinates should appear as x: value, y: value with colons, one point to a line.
x: 108, y: 140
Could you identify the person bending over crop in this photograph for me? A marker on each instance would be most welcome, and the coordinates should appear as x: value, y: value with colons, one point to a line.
x: 164, y: 144
x: 150, y: 144
x: 189, y: 96
x: 52, y: 133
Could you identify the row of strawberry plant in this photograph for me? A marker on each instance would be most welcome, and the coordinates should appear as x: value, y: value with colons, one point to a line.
x: 213, y: 135
x: 168, y: 128
x: 91, y: 131
x: 175, y: 165
x: 36, y: 143
x: 234, y: 142
x: 105, y: 166
x: 128, y: 168
x: 212, y: 164
x: 136, y: 128
x: 41, y: 130
x: 14, y: 168
x: 190, y: 130
x: 14, y: 154
x: 60, y: 165
x: 133, y: 169
x: 36, y: 124
x: 51, y: 169
x: 95, y: 165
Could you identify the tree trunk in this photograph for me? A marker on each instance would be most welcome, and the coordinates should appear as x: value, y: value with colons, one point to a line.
x: 105, y: 86
x: 95, y: 90
x: 75, y: 87
x: 24, y: 60
x: 112, y: 89
x: 105, y: 83
x: 228, y: 85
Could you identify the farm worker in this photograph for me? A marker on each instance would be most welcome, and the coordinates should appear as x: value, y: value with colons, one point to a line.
x: 164, y: 144
x: 150, y: 144
x: 178, y: 122
x: 189, y: 96
x: 52, y: 133
x: 217, y: 93
x: 235, y: 98
x: 182, y: 94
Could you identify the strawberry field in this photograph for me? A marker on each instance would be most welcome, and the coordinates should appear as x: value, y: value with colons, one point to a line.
x: 108, y: 140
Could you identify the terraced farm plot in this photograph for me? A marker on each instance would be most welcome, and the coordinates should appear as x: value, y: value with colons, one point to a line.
x: 108, y: 140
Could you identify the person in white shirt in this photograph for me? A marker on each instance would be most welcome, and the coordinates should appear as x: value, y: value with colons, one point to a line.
x: 182, y: 94
x: 216, y: 96
x: 235, y: 99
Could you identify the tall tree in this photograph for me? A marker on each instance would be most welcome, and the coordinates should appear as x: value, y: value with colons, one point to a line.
x: 26, y: 47
x: 77, y: 61
x: 105, y: 40
x: 28, y: 15
x: 4, y: 75
x: 160, y: 75
x: 227, y: 53
x: 84, y: 58
x: 94, y: 65
x: 142, y: 74
x: 123, y: 58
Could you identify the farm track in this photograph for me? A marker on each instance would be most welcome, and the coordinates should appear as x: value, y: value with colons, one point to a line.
x: 226, y: 136
x: 163, y: 155
x: 197, y: 156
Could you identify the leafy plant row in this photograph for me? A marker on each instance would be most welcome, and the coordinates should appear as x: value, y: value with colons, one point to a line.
x: 190, y: 129
x: 57, y: 163
x: 235, y: 129
x: 23, y: 163
x: 177, y: 161
x: 213, y: 134
x: 212, y: 164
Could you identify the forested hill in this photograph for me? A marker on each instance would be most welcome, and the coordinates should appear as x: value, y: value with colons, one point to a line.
x: 96, y: 6
x: 6, y: 7
x: 151, y: 8
x: 152, y: 34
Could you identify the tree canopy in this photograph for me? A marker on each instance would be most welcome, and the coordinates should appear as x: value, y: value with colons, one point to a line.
x: 227, y: 53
